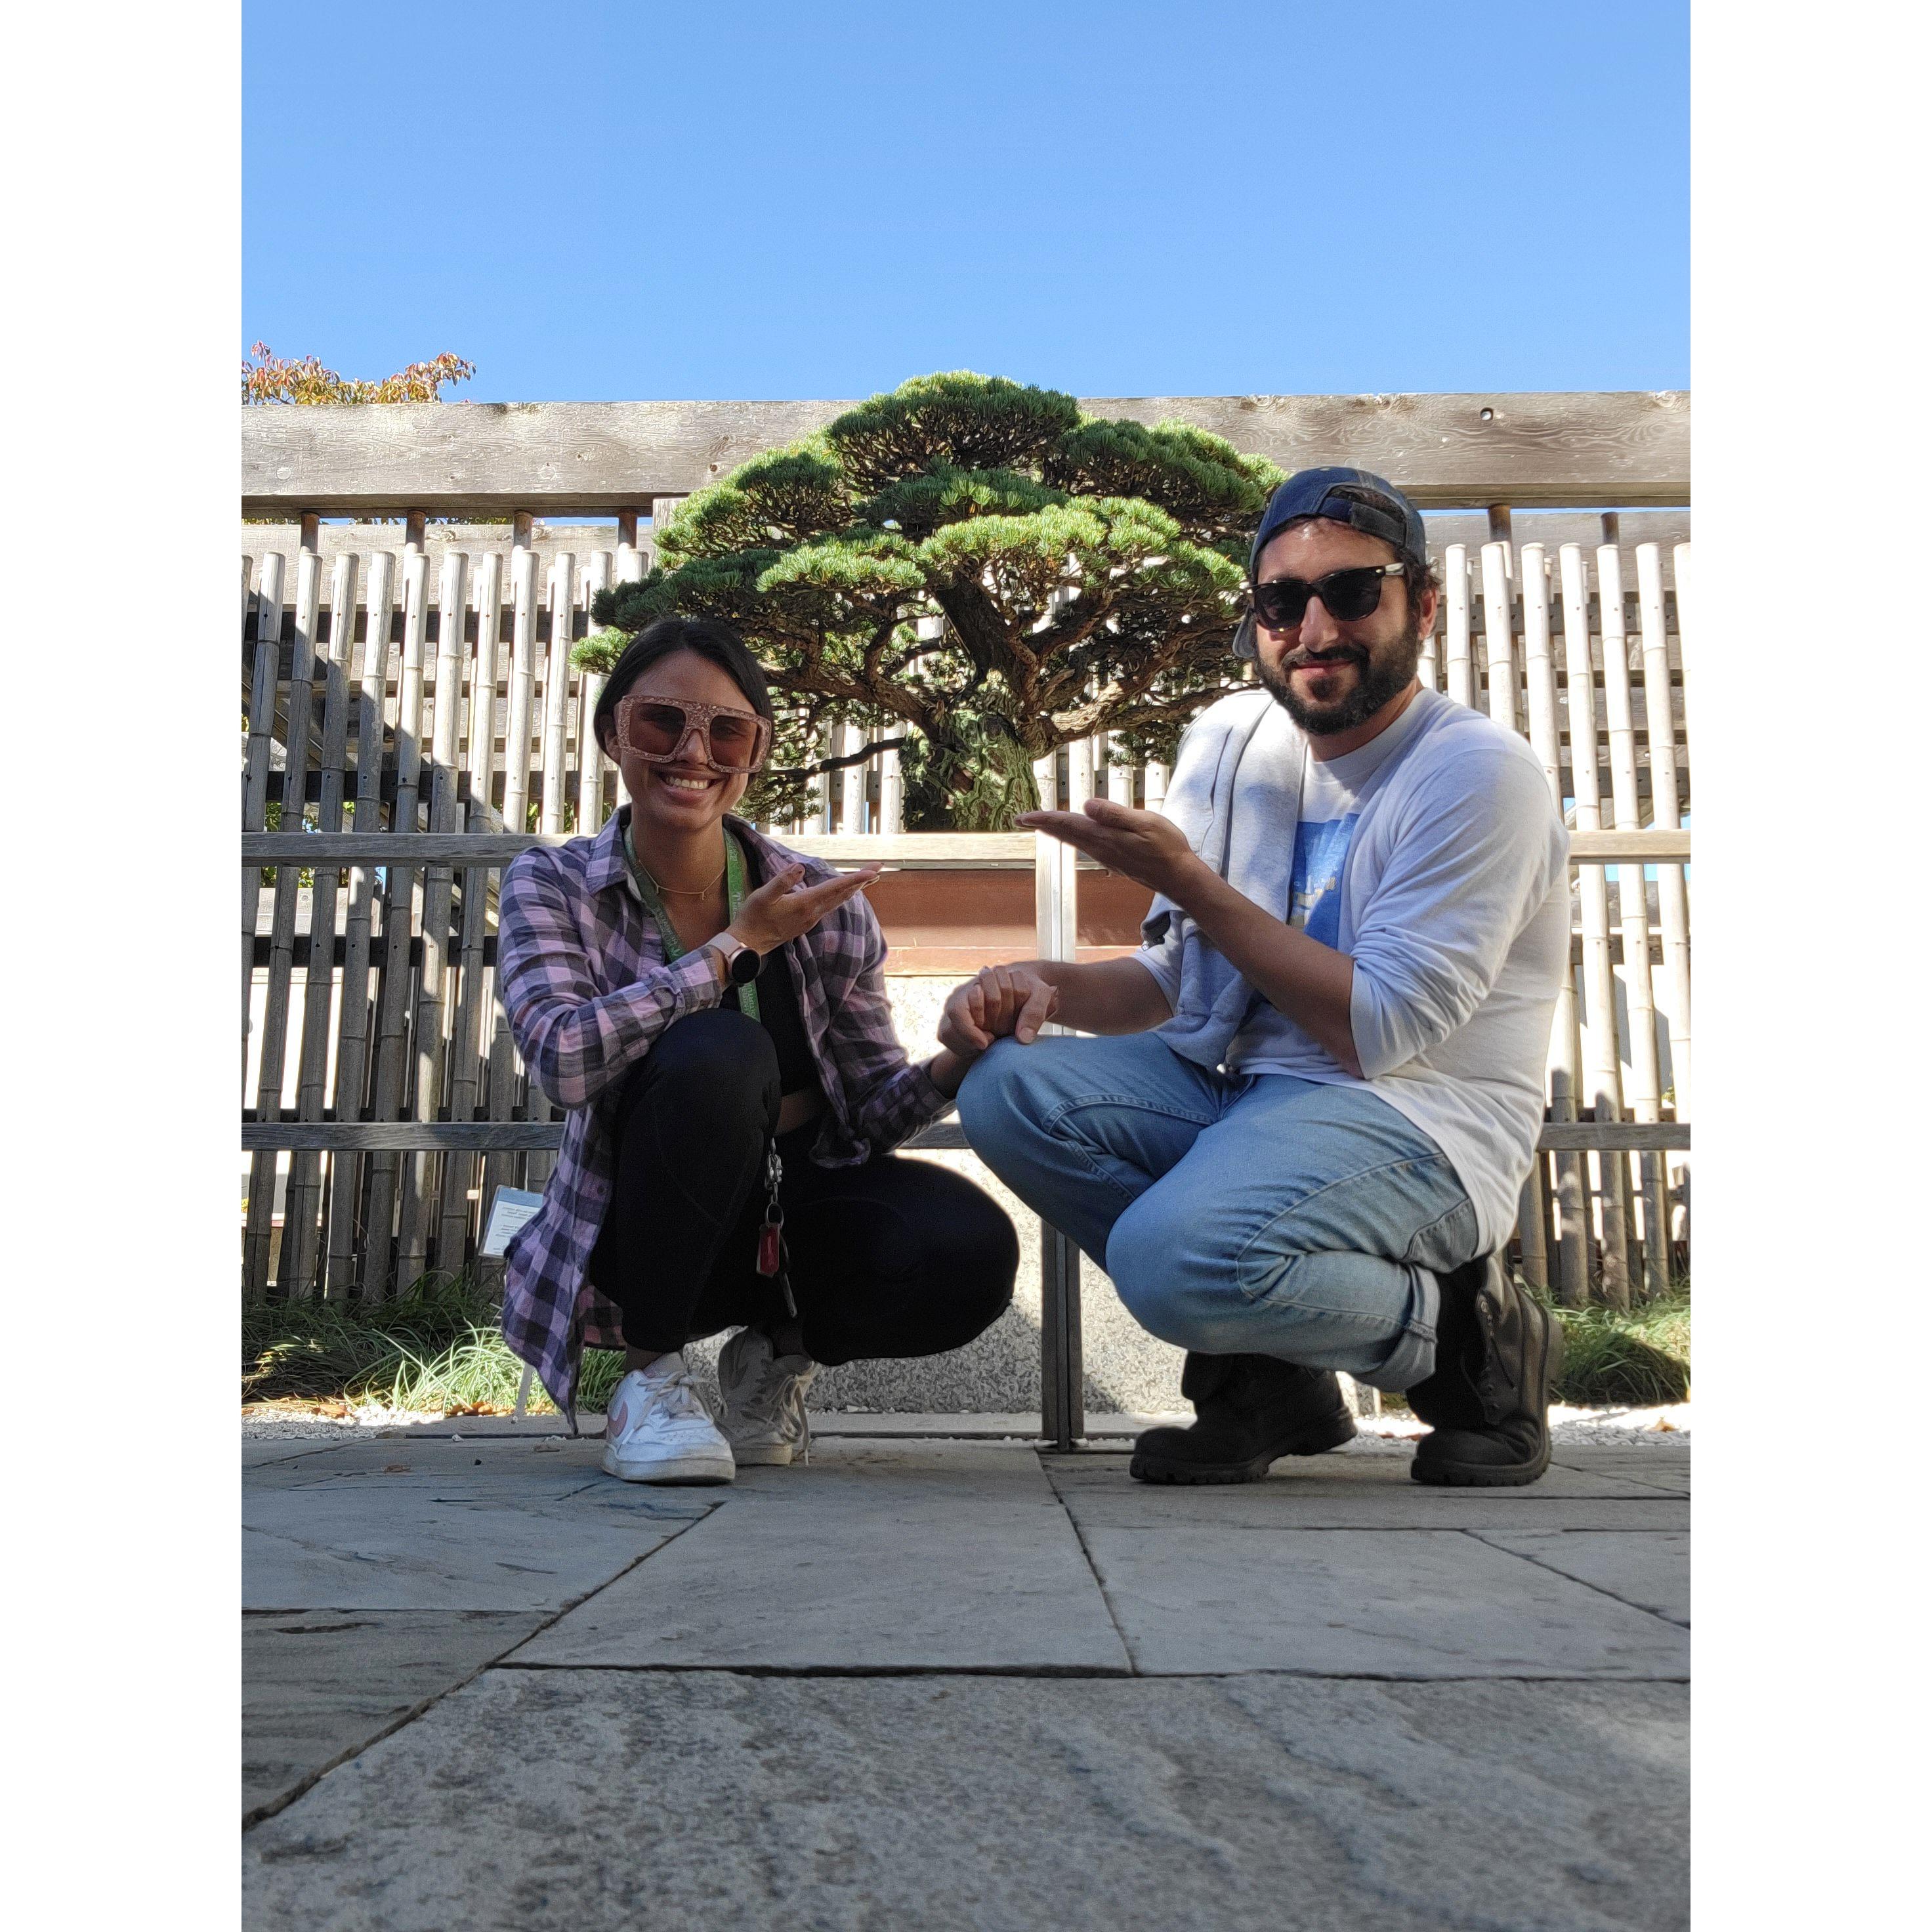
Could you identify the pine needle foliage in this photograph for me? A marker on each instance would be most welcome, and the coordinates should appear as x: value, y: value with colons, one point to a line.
x: 973, y: 572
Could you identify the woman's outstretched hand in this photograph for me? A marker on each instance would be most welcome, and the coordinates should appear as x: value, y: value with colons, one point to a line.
x: 781, y: 909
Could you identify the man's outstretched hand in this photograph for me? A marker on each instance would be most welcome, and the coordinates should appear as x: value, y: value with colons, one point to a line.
x: 1143, y: 846
x: 997, y: 1001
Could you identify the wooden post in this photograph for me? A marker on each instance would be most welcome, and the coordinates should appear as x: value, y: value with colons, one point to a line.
x: 1154, y: 794
x: 1600, y: 1019
x: 852, y: 783
x: 352, y: 1053
x: 1660, y: 740
x: 459, y: 1170
x: 399, y: 897
x: 1498, y: 641
x: 556, y: 688
x: 1633, y: 912
x: 433, y: 990
x: 1530, y: 1211
x: 507, y: 1086
x: 1459, y: 657
x: 1427, y: 668
x: 1546, y: 738
x: 590, y: 764
x: 300, y: 1229
x: 259, y: 1230
x: 1673, y: 894
x: 831, y: 743
x: 522, y: 689
x: 266, y: 672
x: 1680, y: 571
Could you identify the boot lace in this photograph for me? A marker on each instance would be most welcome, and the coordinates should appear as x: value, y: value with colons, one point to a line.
x: 775, y: 1398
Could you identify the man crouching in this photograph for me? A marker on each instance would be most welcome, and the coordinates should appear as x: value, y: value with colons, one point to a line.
x: 1298, y: 1146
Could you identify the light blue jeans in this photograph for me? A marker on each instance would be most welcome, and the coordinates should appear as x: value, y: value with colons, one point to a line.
x: 1255, y: 1214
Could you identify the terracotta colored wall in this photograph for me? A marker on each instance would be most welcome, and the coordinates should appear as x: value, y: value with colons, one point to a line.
x: 957, y: 922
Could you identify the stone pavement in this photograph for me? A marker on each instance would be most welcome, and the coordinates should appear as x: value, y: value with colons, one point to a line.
x: 960, y: 1683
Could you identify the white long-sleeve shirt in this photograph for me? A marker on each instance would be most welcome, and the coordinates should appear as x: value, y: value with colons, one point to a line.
x: 1454, y: 908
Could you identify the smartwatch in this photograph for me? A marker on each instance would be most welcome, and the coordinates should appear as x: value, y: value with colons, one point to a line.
x: 742, y: 965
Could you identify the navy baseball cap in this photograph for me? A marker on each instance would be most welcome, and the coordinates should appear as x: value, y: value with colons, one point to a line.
x: 1363, y: 501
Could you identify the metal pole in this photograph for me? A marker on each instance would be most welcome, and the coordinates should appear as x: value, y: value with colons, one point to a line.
x: 1062, y: 1416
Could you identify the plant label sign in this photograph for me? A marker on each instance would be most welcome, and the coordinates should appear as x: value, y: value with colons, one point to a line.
x: 509, y: 1209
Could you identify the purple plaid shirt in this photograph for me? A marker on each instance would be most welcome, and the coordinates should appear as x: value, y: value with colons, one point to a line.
x: 581, y: 973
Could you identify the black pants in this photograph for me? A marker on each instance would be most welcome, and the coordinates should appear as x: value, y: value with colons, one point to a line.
x: 893, y: 1258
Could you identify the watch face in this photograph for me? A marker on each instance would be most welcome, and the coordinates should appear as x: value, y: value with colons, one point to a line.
x: 745, y: 966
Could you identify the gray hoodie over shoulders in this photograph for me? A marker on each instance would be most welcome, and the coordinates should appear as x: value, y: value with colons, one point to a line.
x: 1455, y: 909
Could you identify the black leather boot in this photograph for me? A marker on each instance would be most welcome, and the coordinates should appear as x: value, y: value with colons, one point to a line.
x: 1499, y: 1353
x: 1248, y: 1410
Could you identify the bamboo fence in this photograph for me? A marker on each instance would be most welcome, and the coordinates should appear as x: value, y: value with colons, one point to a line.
x: 412, y: 720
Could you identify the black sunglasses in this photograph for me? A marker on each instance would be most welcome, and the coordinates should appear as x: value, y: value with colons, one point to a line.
x: 1282, y: 601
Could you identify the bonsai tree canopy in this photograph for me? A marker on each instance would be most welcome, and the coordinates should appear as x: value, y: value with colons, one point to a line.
x: 973, y: 572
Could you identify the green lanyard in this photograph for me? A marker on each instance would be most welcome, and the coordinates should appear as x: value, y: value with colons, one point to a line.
x: 734, y: 896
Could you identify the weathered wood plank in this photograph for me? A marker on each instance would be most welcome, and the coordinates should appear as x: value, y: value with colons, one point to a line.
x: 399, y: 904
x: 431, y: 1024
x: 1656, y: 846
x: 256, y: 760
x: 506, y: 1080
x: 1599, y: 1008
x: 459, y: 1171
x: 474, y: 1136
x: 352, y: 1048
x: 1574, y: 449
x: 302, y: 1245
x: 258, y: 1234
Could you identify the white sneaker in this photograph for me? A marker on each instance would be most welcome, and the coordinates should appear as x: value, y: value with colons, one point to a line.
x: 658, y: 1430
x: 764, y: 1418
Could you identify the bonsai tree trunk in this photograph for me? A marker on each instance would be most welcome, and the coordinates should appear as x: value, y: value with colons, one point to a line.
x: 970, y: 779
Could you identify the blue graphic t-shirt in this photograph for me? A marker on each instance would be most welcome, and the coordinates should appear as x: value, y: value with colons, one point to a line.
x: 1315, y: 901
x: 1331, y: 796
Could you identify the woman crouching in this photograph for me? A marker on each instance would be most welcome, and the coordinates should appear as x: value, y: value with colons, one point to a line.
x: 712, y: 1009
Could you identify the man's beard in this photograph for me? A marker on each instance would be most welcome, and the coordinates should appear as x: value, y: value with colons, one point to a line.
x: 1375, y: 683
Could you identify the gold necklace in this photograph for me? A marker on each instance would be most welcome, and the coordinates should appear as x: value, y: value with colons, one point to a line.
x: 673, y: 892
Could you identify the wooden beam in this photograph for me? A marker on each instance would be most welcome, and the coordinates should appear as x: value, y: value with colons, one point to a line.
x: 1552, y: 528
x: 973, y: 849
x: 490, y: 848
x: 1580, y: 449
x: 499, y: 1136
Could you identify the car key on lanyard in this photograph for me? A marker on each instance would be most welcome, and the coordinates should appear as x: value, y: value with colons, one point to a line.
x: 771, y: 1236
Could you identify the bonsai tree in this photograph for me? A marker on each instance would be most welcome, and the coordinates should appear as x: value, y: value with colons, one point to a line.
x: 973, y: 572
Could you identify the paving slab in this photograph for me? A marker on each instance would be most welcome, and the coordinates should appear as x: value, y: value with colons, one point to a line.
x: 255, y: 1455
x: 434, y: 1526
x: 1377, y: 1467
x: 1196, y: 1597
x: 1099, y: 1493
x: 577, y: 1801
x: 1667, y: 1468
x: 317, y: 1688
x: 1651, y: 1570
x: 438, y: 1455
x: 878, y: 1556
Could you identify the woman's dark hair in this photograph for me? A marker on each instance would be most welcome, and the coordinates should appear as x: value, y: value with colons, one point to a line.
x: 705, y: 636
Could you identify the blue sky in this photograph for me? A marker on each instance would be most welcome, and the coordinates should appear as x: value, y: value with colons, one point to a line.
x: 617, y: 201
